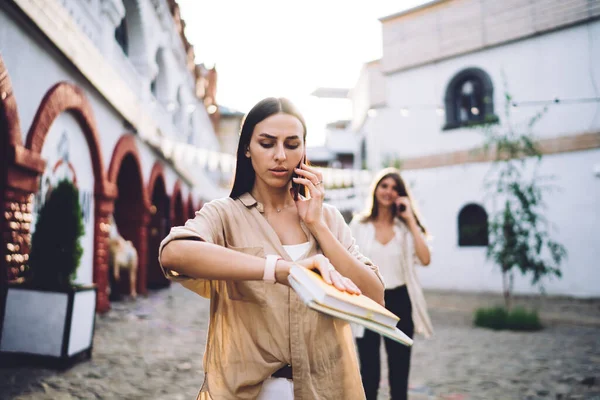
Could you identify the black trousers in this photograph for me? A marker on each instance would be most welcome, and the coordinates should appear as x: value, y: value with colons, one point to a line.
x: 398, y: 355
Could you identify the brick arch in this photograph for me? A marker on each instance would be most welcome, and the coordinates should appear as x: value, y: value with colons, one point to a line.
x: 160, y: 217
x: 19, y: 170
x: 132, y: 207
x: 9, y: 114
x: 158, y: 172
x: 124, y: 147
x: 66, y: 97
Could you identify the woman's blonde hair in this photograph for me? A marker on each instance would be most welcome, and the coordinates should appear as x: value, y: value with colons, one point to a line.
x: 372, y: 210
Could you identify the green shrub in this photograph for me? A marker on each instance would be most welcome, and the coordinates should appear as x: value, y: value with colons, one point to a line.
x: 498, y: 318
x: 493, y: 318
x: 520, y: 319
x: 55, y: 245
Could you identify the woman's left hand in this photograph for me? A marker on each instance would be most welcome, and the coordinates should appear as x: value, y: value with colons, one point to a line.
x: 407, y: 215
x: 310, y: 209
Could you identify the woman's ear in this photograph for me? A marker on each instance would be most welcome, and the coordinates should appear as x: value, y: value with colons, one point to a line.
x: 247, y: 152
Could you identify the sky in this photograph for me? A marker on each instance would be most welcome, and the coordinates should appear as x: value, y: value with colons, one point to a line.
x: 265, y: 48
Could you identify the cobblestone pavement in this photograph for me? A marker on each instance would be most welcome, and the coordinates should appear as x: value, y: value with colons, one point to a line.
x: 152, y: 348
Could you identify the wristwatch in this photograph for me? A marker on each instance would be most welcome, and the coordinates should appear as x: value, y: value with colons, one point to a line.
x: 269, y: 274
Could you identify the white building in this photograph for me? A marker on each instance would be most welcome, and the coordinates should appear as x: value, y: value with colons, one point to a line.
x: 106, y: 93
x: 445, y: 66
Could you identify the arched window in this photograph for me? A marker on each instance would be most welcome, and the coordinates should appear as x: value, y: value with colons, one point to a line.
x: 472, y: 226
x: 160, y: 86
x: 469, y: 99
x: 130, y: 34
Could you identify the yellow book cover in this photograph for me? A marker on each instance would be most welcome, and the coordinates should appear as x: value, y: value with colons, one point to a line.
x: 359, y: 305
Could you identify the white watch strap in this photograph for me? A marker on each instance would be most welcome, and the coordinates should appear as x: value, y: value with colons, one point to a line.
x: 269, y: 274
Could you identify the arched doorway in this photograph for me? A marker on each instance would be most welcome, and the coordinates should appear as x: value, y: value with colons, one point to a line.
x: 191, y: 210
x: 178, y: 209
x: 158, y: 227
x: 131, y: 210
x: 65, y: 109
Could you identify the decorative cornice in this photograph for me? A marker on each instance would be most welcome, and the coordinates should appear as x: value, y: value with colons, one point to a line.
x: 556, y: 145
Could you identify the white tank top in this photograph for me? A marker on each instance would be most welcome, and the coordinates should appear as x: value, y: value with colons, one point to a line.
x: 388, y: 258
x: 296, y: 251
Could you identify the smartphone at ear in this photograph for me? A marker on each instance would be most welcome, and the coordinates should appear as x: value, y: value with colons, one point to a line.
x: 296, y: 186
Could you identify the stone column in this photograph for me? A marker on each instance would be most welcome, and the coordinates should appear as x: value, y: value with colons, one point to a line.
x: 143, y: 253
x: 104, y: 207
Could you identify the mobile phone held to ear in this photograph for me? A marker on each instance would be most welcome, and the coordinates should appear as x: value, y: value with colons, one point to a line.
x: 399, y: 208
x: 296, y: 186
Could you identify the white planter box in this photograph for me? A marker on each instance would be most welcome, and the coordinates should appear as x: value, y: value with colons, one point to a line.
x: 47, y: 327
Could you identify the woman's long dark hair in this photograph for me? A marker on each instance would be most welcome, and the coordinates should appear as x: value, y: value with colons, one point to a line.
x: 244, y: 172
x: 403, y: 190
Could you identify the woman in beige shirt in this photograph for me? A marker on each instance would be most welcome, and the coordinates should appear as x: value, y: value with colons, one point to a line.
x: 263, y: 342
x: 390, y: 232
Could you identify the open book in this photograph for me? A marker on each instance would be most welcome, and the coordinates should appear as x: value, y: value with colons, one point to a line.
x: 359, y: 309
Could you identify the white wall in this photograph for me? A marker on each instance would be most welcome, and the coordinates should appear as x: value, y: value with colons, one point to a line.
x: 560, y: 64
x: 369, y: 92
x: 359, y: 96
x: 26, y: 54
x: 442, y: 192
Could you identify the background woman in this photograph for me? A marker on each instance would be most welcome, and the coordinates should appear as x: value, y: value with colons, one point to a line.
x: 391, y: 234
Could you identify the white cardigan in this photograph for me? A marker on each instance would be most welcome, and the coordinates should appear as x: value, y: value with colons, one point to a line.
x: 364, y: 234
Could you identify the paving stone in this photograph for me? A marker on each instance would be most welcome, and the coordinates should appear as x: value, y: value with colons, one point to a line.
x: 153, y: 347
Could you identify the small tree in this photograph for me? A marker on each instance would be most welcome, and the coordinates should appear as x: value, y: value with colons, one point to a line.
x: 519, y: 235
x: 55, y: 245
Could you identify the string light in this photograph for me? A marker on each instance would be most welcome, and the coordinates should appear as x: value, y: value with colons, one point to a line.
x: 556, y: 101
x: 440, y: 110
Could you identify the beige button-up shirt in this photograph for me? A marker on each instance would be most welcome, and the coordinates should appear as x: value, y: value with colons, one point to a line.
x: 256, y: 327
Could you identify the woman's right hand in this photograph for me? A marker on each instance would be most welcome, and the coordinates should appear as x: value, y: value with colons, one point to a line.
x: 321, y: 263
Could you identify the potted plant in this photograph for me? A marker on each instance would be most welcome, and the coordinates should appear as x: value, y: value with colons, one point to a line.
x: 48, y: 318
